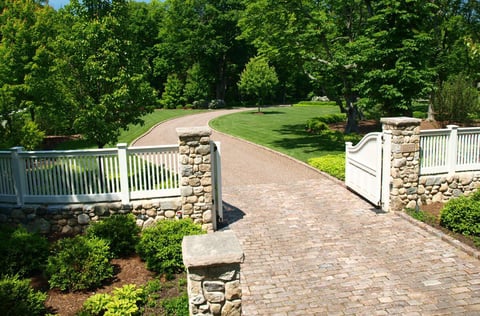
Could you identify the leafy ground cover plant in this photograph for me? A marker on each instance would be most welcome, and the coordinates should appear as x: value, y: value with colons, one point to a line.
x: 334, y: 165
x: 120, y: 231
x: 22, y: 252
x: 160, y: 246
x: 79, y: 263
x: 18, y: 298
x: 124, y: 301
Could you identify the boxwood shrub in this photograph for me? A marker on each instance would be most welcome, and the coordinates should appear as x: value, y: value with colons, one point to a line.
x: 120, y: 231
x: 160, y: 246
x: 462, y: 215
x: 18, y: 298
x: 22, y: 252
x: 79, y: 263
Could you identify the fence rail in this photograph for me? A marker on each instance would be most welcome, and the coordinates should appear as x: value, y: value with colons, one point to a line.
x: 118, y: 174
x: 450, y: 150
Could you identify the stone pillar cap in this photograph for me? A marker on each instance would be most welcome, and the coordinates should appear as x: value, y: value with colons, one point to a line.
x: 211, y: 249
x: 193, y: 131
x: 400, y: 121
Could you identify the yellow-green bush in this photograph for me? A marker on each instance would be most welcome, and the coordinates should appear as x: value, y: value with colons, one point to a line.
x: 334, y: 165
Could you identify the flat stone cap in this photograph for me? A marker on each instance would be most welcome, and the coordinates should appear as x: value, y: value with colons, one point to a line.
x: 194, y: 131
x: 211, y: 249
x: 400, y: 121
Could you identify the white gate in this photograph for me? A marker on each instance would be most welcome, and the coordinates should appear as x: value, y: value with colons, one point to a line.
x: 217, y: 216
x: 363, y: 167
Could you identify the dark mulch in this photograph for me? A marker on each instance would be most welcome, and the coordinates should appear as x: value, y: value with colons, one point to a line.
x: 129, y: 271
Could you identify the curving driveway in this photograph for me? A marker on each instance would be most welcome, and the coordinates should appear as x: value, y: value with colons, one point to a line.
x: 314, y: 248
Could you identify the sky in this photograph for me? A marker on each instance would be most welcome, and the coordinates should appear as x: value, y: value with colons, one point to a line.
x: 57, y: 4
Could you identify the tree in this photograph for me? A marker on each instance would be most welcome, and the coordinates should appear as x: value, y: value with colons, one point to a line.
x: 202, y: 32
x: 258, y: 80
x: 172, y: 94
x: 18, y: 48
x: 394, y: 54
x: 104, y: 70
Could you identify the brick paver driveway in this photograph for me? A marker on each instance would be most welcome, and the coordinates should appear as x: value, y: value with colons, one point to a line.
x: 314, y: 248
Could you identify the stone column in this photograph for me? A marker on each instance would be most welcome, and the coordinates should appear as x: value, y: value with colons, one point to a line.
x: 196, y: 175
x: 213, y: 274
x: 403, y: 135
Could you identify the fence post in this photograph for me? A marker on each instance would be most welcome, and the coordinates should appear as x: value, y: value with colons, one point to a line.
x: 196, y: 174
x: 452, y: 149
x: 123, y: 168
x: 386, y: 167
x: 19, y: 175
x: 403, y: 174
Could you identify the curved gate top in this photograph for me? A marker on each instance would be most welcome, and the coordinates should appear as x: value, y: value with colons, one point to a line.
x: 363, y: 167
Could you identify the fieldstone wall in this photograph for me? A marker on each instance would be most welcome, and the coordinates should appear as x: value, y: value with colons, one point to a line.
x: 213, y: 274
x: 196, y: 174
x: 406, y: 188
x: 75, y: 218
x: 404, y: 160
x: 433, y: 189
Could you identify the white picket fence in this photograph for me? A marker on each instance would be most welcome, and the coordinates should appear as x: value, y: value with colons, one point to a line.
x: 450, y: 150
x: 79, y: 176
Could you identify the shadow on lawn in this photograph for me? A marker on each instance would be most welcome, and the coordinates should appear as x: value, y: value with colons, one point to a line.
x: 331, y: 141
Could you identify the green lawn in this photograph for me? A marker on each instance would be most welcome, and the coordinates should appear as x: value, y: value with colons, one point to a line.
x: 283, y: 129
x: 158, y: 116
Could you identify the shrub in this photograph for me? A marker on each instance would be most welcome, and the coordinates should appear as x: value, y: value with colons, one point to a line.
x: 177, y: 306
x: 318, y: 124
x: 161, y: 245
x: 79, y: 263
x: 124, y: 301
x: 22, y: 252
x: 216, y: 104
x: 456, y: 100
x: 462, y: 215
x: 334, y: 165
x: 18, y: 298
x: 120, y: 231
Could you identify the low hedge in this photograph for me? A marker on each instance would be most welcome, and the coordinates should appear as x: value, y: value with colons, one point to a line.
x: 334, y: 165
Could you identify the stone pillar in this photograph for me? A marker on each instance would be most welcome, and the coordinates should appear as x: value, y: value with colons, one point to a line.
x: 196, y: 175
x: 213, y: 274
x: 403, y: 137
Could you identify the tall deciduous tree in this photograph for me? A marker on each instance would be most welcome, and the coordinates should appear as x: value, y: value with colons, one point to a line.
x: 18, y: 48
x: 105, y: 71
x: 258, y: 80
x: 395, y: 50
x: 202, y: 32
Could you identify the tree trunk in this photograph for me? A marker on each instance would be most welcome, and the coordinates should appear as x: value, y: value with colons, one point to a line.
x: 352, y: 116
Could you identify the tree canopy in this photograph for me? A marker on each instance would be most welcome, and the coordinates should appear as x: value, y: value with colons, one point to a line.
x: 96, y: 66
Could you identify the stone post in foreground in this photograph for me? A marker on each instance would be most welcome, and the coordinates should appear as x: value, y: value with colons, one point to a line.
x: 213, y: 273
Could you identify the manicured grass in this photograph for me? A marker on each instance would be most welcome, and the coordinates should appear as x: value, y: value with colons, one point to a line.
x: 134, y: 131
x: 282, y: 129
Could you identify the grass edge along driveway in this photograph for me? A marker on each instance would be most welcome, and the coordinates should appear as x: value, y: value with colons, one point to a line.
x: 282, y: 129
